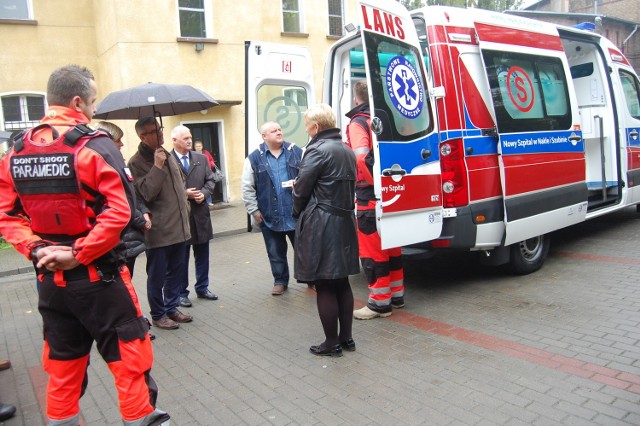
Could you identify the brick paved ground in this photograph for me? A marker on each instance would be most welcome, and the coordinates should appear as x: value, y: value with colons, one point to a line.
x: 474, y: 345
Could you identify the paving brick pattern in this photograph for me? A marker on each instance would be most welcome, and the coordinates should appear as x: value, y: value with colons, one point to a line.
x: 474, y: 345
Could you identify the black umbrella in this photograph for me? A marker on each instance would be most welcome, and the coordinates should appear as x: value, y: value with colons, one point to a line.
x: 153, y: 100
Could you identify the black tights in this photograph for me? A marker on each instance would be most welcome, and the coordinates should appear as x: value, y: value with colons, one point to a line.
x: 335, y: 305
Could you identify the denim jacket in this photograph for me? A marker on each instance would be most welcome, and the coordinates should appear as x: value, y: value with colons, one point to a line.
x: 259, y: 186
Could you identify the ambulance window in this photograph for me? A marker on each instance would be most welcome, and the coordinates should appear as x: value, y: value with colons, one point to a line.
x: 582, y: 70
x: 286, y: 105
x: 398, y: 87
x: 631, y: 90
x: 423, y: 37
x: 529, y: 92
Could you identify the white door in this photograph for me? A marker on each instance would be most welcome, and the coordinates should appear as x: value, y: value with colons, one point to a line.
x: 407, y: 168
x: 542, y: 159
x: 279, y: 87
x: 628, y: 101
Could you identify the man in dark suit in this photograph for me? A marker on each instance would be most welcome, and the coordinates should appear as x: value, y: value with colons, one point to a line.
x: 199, y: 183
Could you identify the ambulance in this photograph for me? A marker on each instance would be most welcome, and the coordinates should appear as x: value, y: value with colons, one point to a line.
x: 490, y: 130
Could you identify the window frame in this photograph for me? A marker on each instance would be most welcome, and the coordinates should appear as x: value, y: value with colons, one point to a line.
x: 282, y: 102
x: 526, y: 121
x: 341, y: 16
x: 380, y: 48
x: 29, y: 7
x: 299, y: 11
x: 23, y: 110
x: 625, y: 75
x: 208, y: 20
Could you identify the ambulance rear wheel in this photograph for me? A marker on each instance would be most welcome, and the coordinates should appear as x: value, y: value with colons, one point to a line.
x: 529, y: 255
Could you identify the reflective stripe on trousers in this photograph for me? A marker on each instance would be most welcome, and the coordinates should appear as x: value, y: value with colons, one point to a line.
x: 383, y: 268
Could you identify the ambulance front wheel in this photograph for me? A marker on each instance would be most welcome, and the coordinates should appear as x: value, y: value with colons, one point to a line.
x: 529, y: 255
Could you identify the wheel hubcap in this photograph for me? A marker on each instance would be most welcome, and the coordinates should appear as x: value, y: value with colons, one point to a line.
x: 531, y: 248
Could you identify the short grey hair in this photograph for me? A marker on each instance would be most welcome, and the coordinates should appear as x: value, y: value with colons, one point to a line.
x: 178, y: 130
x: 267, y: 125
x: 67, y: 82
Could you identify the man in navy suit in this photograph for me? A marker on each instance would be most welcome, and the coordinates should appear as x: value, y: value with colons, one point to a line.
x: 199, y: 184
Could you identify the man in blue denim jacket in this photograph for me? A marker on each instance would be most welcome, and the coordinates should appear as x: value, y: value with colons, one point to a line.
x: 267, y: 183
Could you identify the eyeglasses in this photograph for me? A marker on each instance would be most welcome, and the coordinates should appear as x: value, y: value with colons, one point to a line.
x: 151, y: 132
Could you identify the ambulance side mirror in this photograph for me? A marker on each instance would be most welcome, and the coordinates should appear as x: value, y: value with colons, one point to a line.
x: 437, y: 92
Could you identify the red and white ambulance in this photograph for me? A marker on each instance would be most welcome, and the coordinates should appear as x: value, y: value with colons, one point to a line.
x: 490, y: 130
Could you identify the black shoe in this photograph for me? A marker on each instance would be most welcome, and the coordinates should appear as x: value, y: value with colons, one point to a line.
x: 348, y: 345
x: 152, y: 336
x: 185, y: 302
x: 207, y: 295
x: 6, y: 411
x: 321, y: 350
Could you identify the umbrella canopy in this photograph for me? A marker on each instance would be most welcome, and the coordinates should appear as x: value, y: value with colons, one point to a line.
x: 152, y: 100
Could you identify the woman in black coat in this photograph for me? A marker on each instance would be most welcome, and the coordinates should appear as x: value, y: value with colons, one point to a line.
x: 133, y: 235
x: 326, y: 239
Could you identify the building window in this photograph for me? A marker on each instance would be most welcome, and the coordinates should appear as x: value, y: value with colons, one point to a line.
x: 15, y: 9
x: 297, y: 95
x: 194, y: 17
x: 336, y: 17
x: 291, y: 16
x: 22, y: 111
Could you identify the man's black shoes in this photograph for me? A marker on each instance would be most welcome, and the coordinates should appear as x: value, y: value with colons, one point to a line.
x: 6, y: 411
x: 207, y: 295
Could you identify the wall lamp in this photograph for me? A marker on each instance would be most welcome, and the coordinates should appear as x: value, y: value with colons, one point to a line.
x: 199, y: 47
x: 349, y: 28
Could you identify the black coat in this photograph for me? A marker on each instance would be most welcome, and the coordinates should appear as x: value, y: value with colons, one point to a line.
x: 133, y: 235
x: 200, y: 177
x: 323, y: 200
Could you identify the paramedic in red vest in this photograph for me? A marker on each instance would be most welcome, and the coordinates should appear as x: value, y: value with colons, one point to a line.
x: 383, y: 268
x: 65, y: 199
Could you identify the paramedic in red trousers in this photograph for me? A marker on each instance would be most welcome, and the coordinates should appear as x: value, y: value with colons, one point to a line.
x: 159, y: 181
x: 267, y: 181
x: 65, y: 199
x: 383, y: 268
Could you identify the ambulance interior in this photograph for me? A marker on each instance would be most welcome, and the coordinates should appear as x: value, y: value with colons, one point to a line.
x: 350, y: 67
x: 596, y: 120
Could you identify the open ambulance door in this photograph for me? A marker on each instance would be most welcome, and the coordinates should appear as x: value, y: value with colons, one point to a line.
x: 628, y: 101
x: 279, y: 87
x: 542, y: 160
x: 407, y: 181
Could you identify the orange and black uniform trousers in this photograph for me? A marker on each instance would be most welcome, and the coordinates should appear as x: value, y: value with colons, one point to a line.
x: 383, y: 268
x: 79, y: 307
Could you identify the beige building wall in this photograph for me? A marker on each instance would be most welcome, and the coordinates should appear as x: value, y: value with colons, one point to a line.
x: 127, y: 43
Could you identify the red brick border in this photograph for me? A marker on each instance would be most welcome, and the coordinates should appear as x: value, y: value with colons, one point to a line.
x: 597, y: 373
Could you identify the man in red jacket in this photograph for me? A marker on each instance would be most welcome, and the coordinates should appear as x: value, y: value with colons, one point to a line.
x: 65, y: 198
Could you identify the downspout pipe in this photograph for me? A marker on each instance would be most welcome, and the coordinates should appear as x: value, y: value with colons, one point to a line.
x: 626, y: 40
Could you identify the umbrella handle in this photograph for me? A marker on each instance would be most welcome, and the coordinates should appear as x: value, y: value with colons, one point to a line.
x: 158, y: 114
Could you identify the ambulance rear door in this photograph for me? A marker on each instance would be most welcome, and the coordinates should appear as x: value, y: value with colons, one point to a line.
x: 279, y: 87
x: 542, y: 160
x: 627, y: 95
x: 407, y: 168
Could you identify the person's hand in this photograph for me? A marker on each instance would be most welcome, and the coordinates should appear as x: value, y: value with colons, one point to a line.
x: 159, y: 157
x: 195, y: 195
x: 257, y: 216
x: 57, y: 257
x: 147, y: 224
